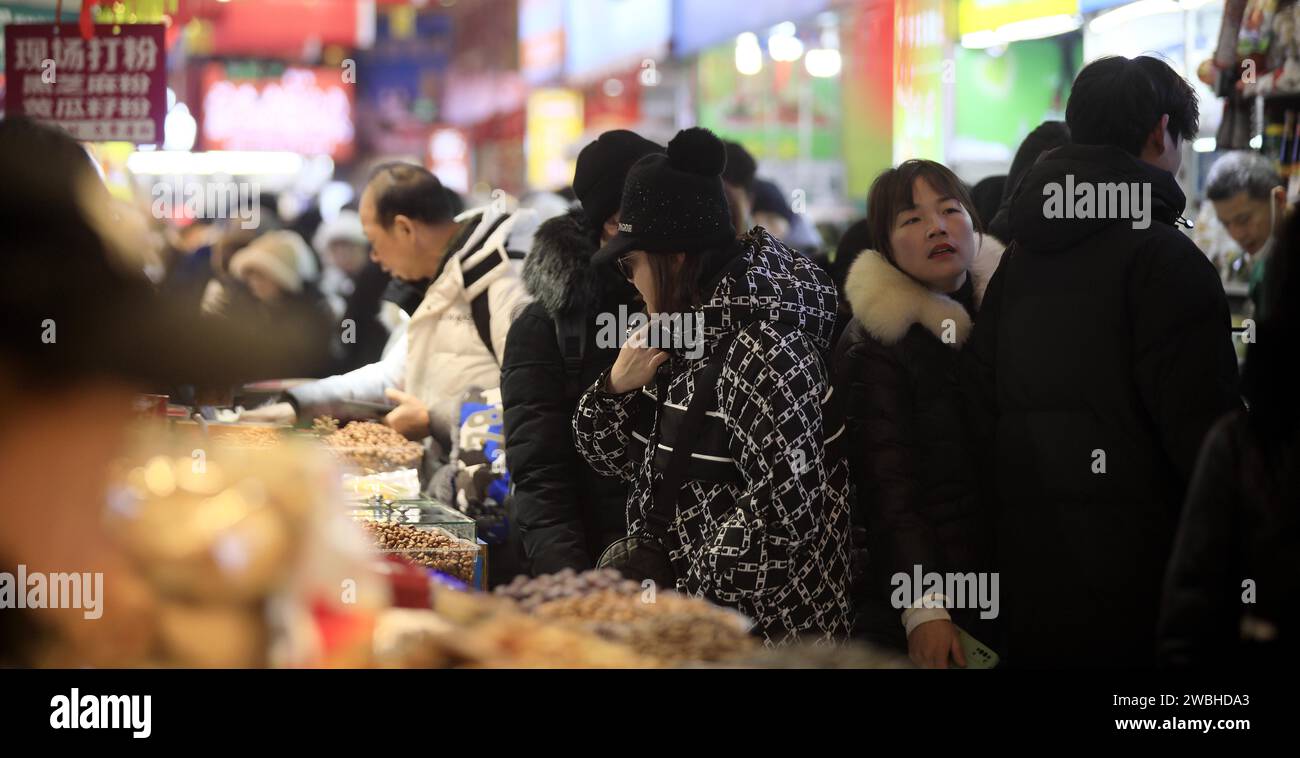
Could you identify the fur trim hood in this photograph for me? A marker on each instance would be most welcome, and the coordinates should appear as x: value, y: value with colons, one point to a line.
x: 557, y: 272
x: 888, y: 302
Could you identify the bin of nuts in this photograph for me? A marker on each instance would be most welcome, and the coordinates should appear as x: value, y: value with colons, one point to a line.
x: 668, y: 627
x: 433, y: 548
x: 370, y: 446
x: 531, y: 593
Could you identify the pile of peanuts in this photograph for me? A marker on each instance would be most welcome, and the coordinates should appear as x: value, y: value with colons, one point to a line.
x: 433, y: 548
x: 374, y: 447
x: 672, y: 628
x: 531, y: 593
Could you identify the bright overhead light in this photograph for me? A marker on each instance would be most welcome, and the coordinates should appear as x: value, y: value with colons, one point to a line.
x: 823, y: 63
x: 1204, y: 145
x: 1126, y: 13
x: 1257, y: 141
x: 980, y: 40
x: 749, y: 57
x: 783, y: 29
x: 1038, y: 28
x: 1033, y: 28
x: 785, y: 49
x: 233, y: 162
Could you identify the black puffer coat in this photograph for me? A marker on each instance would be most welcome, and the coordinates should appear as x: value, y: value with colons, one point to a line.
x: 1232, y: 592
x: 897, y: 378
x: 567, y: 513
x: 762, y: 522
x: 1104, y: 352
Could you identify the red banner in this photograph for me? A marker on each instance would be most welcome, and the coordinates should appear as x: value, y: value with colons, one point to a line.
x: 111, y: 87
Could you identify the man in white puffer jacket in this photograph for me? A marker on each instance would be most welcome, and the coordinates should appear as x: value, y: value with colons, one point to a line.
x: 408, y: 222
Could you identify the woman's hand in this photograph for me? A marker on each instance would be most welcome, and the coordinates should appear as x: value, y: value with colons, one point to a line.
x: 636, y: 364
x: 930, y: 645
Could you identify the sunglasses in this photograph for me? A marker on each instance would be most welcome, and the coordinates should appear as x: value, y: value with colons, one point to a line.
x: 624, y: 265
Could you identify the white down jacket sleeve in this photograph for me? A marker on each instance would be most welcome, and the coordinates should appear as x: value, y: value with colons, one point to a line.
x: 366, y: 383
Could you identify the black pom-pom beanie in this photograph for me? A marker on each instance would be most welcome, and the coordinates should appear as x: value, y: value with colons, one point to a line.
x: 674, y: 202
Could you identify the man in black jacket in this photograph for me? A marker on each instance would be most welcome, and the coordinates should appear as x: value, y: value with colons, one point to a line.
x: 1104, y: 354
x: 566, y: 512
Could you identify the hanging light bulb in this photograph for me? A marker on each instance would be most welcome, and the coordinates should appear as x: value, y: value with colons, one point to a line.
x: 749, y: 57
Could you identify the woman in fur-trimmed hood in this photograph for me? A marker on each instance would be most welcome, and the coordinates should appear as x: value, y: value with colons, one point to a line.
x: 896, y: 367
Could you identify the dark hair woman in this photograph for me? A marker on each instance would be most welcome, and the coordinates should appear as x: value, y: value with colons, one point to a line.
x: 755, y: 515
x: 1233, y: 585
x: 914, y: 298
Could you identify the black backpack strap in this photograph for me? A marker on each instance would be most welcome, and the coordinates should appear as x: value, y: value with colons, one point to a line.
x: 571, y: 337
x: 483, y: 321
x: 664, y: 508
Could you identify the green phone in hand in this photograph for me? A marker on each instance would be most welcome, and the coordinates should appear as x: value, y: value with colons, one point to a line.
x: 978, y: 655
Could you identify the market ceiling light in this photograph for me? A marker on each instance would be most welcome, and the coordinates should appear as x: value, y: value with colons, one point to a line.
x: 179, y: 129
x: 232, y: 162
x: 1204, y: 145
x: 783, y: 45
x: 749, y: 57
x: 822, y: 62
x: 1141, y: 9
x: 1257, y: 141
x: 1034, y: 28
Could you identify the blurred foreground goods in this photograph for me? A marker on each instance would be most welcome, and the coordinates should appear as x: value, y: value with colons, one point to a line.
x: 249, y: 558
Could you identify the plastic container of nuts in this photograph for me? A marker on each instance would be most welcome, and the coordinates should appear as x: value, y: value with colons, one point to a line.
x: 368, y: 447
x: 431, y: 547
x: 419, y: 513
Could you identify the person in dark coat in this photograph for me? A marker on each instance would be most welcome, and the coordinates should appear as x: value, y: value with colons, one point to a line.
x: 1045, y: 137
x: 1233, y: 586
x: 987, y: 196
x: 896, y: 374
x: 1103, y: 354
x: 760, y: 521
x: 566, y: 512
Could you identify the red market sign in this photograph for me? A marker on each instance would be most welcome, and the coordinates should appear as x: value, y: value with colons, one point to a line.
x: 110, y: 87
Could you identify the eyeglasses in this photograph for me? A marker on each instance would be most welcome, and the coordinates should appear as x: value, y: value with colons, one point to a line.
x: 624, y: 265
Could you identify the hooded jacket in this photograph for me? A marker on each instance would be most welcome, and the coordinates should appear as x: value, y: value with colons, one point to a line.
x: 897, y: 375
x: 762, y: 521
x: 444, y: 353
x: 566, y: 512
x: 1103, y: 355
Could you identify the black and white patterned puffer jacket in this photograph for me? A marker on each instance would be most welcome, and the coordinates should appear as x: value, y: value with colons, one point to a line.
x: 763, y: 519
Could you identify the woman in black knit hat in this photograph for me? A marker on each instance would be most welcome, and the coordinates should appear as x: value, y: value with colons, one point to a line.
x: 727, y: 406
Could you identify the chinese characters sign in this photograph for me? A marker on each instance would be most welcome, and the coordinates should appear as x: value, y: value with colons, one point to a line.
x: 108, y: 87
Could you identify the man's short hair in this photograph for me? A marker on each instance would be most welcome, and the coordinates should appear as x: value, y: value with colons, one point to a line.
x: 1117, y: 101
x: 408, y: 190
x: 741, y: 169
x: 1241, y: 171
